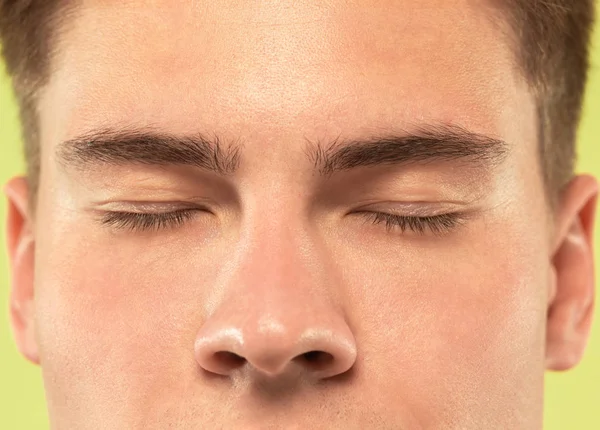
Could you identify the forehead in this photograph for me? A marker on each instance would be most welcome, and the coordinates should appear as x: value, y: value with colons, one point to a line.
x: 276, y: 69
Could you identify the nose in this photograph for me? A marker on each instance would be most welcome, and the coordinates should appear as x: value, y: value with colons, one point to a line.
x: 276, y: 346
x: 276, y: 318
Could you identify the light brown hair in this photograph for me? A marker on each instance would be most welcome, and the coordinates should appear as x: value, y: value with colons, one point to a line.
x: 551, y: 45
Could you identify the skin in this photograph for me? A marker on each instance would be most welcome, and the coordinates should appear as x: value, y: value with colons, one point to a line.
x: 137, y: 329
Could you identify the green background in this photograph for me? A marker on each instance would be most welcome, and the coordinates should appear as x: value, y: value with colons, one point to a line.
x: 572, y: 398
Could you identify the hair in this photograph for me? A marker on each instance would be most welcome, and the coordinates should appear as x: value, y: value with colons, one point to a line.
x: 551, y: 45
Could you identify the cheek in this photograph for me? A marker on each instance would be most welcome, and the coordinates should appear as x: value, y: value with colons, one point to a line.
x: 435, y: 322
x: 114, y: 312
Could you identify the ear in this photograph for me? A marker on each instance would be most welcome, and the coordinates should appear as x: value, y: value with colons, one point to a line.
x: 21, y: 251
x: 572, y: 295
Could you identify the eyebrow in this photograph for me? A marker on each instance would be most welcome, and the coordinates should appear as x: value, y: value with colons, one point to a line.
x: 430, y: 144
x: 122, y: 147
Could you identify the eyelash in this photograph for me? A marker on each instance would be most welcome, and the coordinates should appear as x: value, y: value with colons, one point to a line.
x: 436, y: 224
x: 139, y: 221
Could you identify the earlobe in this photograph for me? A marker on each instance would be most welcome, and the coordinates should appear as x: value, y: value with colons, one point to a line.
x: 21, y: 249
x: 571, y: 307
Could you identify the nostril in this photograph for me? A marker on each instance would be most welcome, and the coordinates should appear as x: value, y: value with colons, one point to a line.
x: 229, y: 359
x: 316, y: 359
x: 273, y: 349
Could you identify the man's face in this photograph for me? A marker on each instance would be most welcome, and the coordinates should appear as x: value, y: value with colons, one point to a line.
x: 290, y: 215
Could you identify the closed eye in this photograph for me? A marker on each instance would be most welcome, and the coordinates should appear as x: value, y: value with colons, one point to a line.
x: 142, y: 221
x: 146, y: 221
x: 435, y: 224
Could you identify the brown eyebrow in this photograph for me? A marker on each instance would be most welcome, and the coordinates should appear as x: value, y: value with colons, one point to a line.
x: 424, y: 145
x: 428, y: 144
x: 120, y: 147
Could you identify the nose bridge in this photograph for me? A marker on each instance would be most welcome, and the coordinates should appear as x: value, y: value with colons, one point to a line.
x: 278, y: 280
x: 276, y: 305
x: 279, y: 250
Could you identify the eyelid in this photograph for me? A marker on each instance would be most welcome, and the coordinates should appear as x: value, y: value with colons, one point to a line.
x: 146, y: 221
x: 414, y: 208
x: 437, y: 225
x: 150, y: 207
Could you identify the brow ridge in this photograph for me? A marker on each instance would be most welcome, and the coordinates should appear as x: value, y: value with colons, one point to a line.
x: 136, y: 146
x: 426, y: 144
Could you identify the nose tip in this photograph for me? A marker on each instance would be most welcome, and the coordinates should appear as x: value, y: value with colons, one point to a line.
x: 273, y: 350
